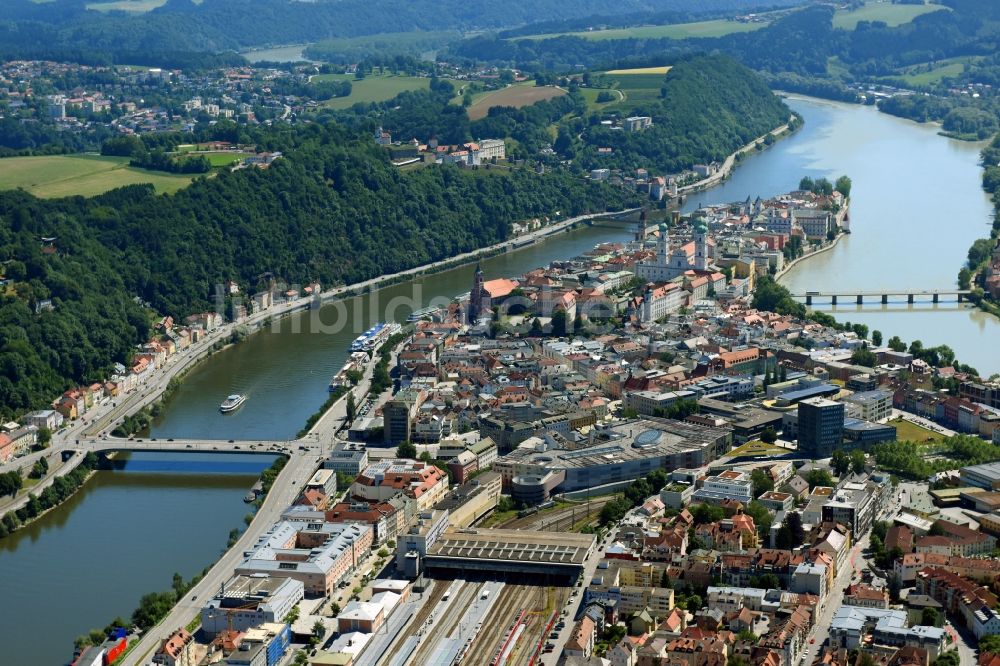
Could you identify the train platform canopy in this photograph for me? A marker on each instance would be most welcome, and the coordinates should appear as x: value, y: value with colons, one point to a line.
x: 511, y: 551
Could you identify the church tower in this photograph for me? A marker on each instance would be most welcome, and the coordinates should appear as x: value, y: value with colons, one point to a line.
x: 663, y: 246
x: 476, y: 296
x: 640, y: 229
x: 701, y: 246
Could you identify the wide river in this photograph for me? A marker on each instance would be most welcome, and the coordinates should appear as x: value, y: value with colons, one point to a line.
x: 916, y: 207
x: 125, y: 533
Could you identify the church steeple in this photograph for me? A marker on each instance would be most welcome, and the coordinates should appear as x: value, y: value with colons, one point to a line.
x: 476, y: 296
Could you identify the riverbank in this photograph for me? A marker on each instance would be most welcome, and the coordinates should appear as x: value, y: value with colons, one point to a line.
x: 732, y: 160
x: 826, y: 247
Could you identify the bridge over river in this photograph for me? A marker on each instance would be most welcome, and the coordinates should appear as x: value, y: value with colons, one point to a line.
x: 883, y: 295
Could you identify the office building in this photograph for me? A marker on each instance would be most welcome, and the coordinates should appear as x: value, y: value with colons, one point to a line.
x: 245, y: 602
x: 821, y: 427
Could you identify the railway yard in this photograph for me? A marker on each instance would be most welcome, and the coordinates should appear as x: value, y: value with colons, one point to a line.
x: 477, y: 622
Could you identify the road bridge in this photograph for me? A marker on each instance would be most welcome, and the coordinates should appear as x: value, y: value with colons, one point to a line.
x: 912, y: 295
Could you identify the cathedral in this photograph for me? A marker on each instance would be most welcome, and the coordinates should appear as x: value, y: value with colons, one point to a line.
x: 667, y: 265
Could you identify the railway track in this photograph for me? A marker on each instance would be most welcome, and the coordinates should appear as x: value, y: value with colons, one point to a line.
x: 561, y: 519
x: 495, y: 626
x: 418, y: 620
x: 445, y: 625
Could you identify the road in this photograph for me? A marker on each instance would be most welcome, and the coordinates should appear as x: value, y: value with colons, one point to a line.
x: 729, y: 163
x: 283, y: 492
x: 835, y: 597
x: 573, y: 607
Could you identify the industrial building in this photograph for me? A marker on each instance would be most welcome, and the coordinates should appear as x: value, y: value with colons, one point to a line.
x: 985, y: 476
x: 245, y: 602
x: 519, y: 553
x: 627, y: 451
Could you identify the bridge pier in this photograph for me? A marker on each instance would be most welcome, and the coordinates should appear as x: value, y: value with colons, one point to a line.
x: 809, y: 299
x: 959, y: 298
x: 935, y: 297
x: 885, y: 298
x: 909, y: 298
x: 833, y: 300
x: 861, y: 299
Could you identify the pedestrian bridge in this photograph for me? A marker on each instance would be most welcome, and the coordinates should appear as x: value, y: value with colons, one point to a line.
x: 883, y: 295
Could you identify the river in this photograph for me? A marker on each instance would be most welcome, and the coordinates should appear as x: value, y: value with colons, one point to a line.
x: 122, y: 535
x: 910, y: 185
x: 916, y: 207
x: 285, y: 370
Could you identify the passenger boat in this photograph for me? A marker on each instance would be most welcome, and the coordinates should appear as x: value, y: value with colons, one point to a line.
x: 232, y: 403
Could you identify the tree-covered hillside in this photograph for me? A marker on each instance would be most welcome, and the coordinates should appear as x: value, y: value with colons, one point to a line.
x: 334, y: 210
x: 709, y: 107
x: 32, y: 28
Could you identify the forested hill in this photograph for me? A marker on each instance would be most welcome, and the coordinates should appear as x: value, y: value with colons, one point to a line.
x: 213, y: 25
x: 333, y: 210
x: 709, y: 107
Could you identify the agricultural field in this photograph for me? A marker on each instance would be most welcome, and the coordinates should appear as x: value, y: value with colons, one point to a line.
x: 516, y: 96
x: 930, y: 74
x: 85, y: 175
x: 590, y: 94
x: 377, y: 88
x: 132, y: 6
x: 659, y: 71
x: 890, y: 14
x: 642, y: 86
x: 714, y: 28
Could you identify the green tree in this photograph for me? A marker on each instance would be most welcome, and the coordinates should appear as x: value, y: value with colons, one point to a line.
x: 990, y: 643
x: 559, y: 323
x: 44, y: 437
x: 769, y: 581
x: 858, y: 461
x: 864, y: 356
x: 840, y: 462
x: 877, y: 338
x: 352, y: 408
x: 843, y: 185
x: 896, y: 345
x: 819, y: 477
x: 949, y: 658
x: 929, y: 617
x: 536, y: 328
x: 762, y: 481
x: 406, y: 450
x: 769, y: 435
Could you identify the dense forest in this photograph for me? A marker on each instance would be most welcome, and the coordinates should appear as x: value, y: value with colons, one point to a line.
x: 29, y: 28
x: 709, y: 107
x: 333, y: 210
x: 807, y: 37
